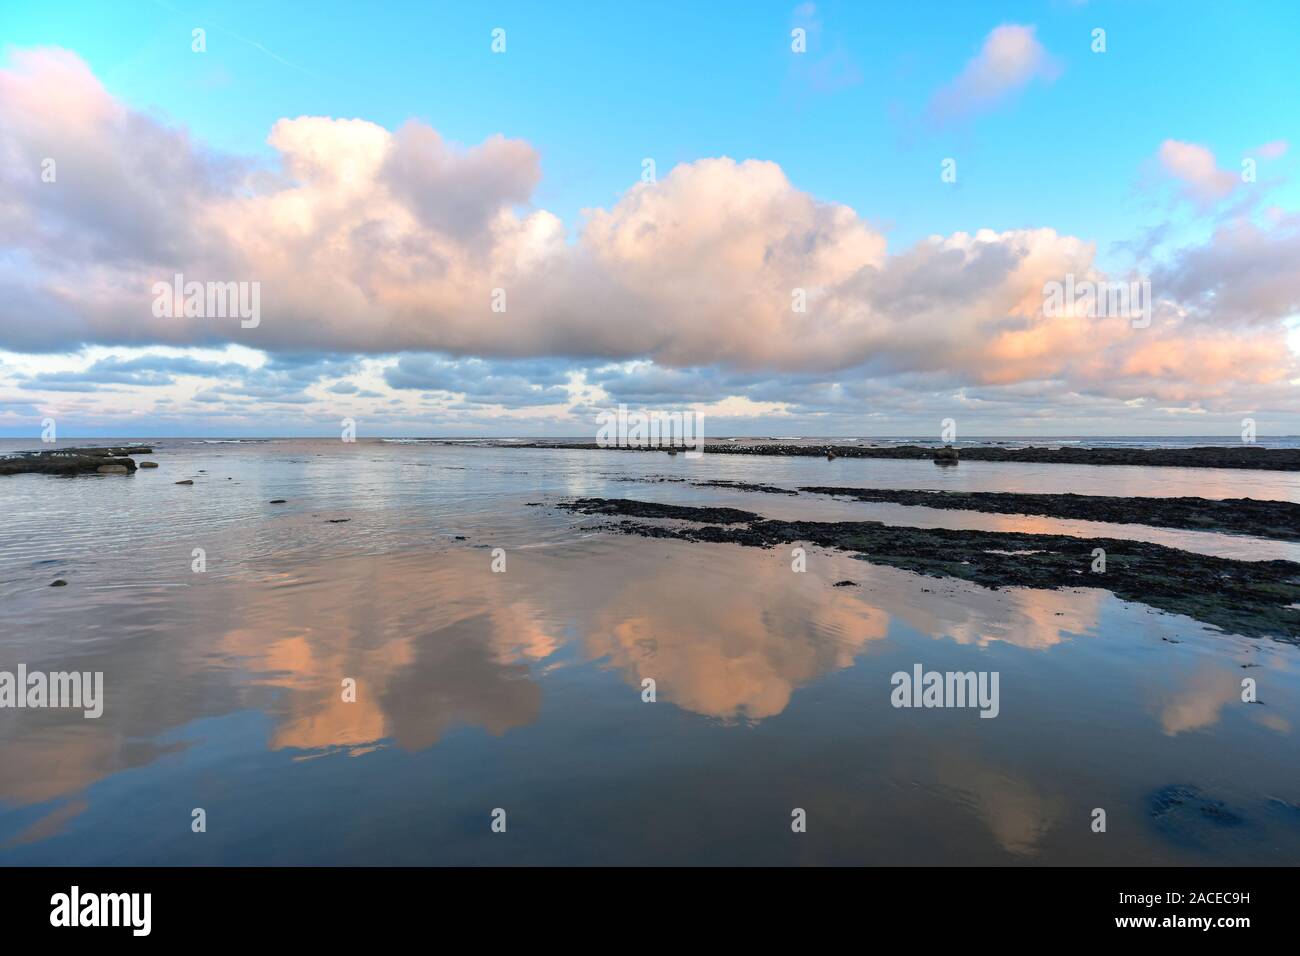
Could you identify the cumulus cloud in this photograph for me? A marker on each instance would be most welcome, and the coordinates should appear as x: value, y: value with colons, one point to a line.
x: 128, y: 190
x: 1009, y: 59
x: 458, y: 193
x: 372, y: 242
x: 1245, y: 274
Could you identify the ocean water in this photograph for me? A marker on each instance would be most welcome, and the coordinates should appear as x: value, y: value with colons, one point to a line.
x: 522, y: 690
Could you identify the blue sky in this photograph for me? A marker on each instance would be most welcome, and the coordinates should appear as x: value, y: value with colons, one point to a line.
x: 594, y: 89
x: 599, y: 86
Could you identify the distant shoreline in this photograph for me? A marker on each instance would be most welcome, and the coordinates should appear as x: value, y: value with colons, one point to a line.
x: 1247, y: 456
x: 1251, y: 457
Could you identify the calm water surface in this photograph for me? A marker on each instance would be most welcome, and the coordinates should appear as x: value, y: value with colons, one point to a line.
x: 522, y: 690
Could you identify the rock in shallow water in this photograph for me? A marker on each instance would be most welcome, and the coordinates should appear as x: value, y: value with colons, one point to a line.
x: 67, y: 461
x: 1182, y: 813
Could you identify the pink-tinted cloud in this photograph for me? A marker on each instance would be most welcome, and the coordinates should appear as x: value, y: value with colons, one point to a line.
x: 366, y: 240
x: 1194, y: 167
x: 1271, y: 150
x: 1009, y: 59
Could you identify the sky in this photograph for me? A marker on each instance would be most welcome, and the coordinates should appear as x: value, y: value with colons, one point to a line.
x: 794, y: 219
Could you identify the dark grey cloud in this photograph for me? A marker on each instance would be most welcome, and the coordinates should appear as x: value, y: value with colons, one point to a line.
x: 482, y: 382
x: 655, y: 385
x: 144, y: 370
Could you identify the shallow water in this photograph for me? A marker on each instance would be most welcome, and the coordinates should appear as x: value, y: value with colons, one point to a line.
x: 523, y: 690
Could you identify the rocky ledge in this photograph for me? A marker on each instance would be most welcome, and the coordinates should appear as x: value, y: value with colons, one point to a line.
x: 107, y: 460
x: 1252, y: 516
x: 1252, y: 457
x: 1254, y: 598
x: 1248, y: 456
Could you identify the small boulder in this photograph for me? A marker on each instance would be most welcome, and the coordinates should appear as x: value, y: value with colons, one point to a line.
x: 148, y: 464
x: 60, y: 583
x: 277, y: 501
x: 186, y: 481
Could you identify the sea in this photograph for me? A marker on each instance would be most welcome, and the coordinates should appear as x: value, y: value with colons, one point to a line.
x: 401, y: 652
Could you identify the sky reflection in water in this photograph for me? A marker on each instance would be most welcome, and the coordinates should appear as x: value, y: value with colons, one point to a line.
x: 522, y: 690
